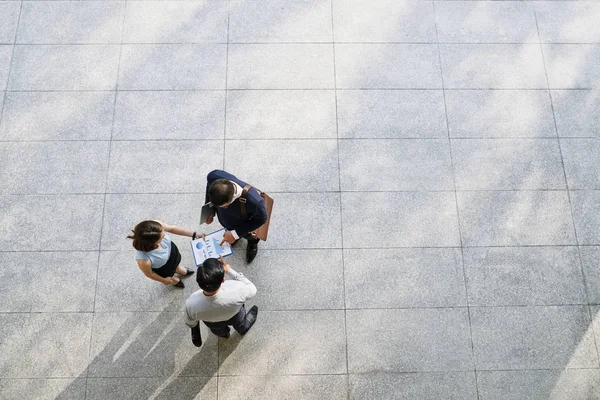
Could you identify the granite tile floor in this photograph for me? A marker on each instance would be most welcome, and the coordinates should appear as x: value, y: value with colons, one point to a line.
x: 435, y: 169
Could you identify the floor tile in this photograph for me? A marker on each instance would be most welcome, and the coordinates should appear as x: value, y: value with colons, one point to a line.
x: 395, y: 164
x: 582, y: 162
x: 57, y: 116
x: 123, y: 211
x: 143, y: 294
x: 181, y: 166
x: 426, y: 278
x: 582, y: 384
x: 572, y: 66
x: 568, y: 22
x: 391, y: 114
x: 5, y: 61
x: 148, y: 345
x: 590, y: 259
x: 305, y: 221
x: 9, y: 18
x: 317, y: 276
x: 409, y: 340
x: 524, y: 276
x: 47, y: 282
x: 487, y: 66
x: 287, y: 343
x: 383, y: 21
x: 441, y: 385
x: 280, y: 21
x: 42, y: 389
x: 533, y: 338
x: 399, y: 219
x: 499, y: 113
x: 586, y: 213
x: 515, y: 218
x: 203, y: 388
x: 576, y: 112
x: 44, y: 345
x: 175, y: 22
x: 507, y: 164
x: 53, y: 167
x: 306, y: 387
x: 294, y: 165
x: 387, y: 66
x: 486, y: 22
x: 67, y: 22
x: 60, y: 222
x: 281, y: 114
x: 173, y: 66
x: 280, y: 66
x: 169, y: 115
x: 64, y: 67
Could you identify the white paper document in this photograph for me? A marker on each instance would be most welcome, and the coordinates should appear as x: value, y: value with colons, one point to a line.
x: 210, y: 247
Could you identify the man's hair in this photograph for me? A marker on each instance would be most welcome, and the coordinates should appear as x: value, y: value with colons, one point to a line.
x: 210, y: 275
x: 221, y: 192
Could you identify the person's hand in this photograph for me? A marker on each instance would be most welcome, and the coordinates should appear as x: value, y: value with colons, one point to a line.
x: 227, y: 237
x: 210, y: 220
x: 201, y: 236
x: 226, y: 265
x: 196, y: 336
x: 171, y: 281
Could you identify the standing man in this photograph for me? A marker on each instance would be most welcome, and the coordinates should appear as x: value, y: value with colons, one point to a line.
x: 219, y: 302
x: 224, y: 190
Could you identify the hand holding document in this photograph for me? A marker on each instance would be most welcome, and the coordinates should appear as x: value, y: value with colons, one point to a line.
x: 211, y: 246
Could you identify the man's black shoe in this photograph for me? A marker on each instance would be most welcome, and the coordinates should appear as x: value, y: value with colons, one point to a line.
x: 189, y: 272
x: 251, y: 317
x: 196, y: 337
x: 179, y: 284
x: 251, y: 250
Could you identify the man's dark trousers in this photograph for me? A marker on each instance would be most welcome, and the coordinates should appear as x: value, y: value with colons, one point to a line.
x: 239, y: 322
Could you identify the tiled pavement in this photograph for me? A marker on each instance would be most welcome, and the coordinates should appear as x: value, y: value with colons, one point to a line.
x: 435, y: 167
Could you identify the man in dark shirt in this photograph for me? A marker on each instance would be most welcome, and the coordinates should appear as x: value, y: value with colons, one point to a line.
x: 224, y: 191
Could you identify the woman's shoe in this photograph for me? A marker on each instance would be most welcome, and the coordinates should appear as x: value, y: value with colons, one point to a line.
x: 189, y: 272
x: 179, y: 284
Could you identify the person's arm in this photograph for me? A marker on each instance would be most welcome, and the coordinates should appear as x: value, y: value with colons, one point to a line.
x: 177, y: 230
x: 247, y: 291
x: 188, y: 317
x: 256, y: 217
x: 146, y: 267
x: 194, y: 325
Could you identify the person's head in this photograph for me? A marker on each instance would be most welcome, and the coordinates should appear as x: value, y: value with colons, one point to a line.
x: 221, y: 192
x: 210, y: 275
x: 146, y: 235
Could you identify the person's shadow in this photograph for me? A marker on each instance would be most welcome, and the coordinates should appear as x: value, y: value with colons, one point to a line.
x: 141, y: 355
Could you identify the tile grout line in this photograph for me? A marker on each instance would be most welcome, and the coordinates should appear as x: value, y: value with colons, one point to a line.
x: 456, y: 204
x: 283, y: 89
x: 322, y: 310
x: 228, y: 4
x: 562, y: 160
x: 12, y: 60
x: 323, y: 43
x: 318, y: 139
x: 226, y: 84
x: 94, y: 194
x: 105, y: 192
x: 337, y: 133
